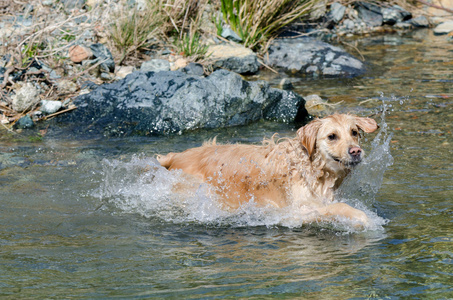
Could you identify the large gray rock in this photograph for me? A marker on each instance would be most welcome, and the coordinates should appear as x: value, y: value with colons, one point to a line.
x: 174, y: 102
x: 307, y: 55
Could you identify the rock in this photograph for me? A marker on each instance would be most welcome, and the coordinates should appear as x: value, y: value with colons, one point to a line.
x: 286, y: 84
x: 103, y: 54
x: 67, y: 86
x: 349, y: 24
x: 73, y: 4
x: 123, y: 71
x: 50, y: 107
x: 318, y: 10
x: 193, y: 69
x: 337, y: 11
x: 173, y: 102
x: 78, y: 53
x: 420, y: 21
x: 25, y: 98
x: 24, y: 123
x: 394, y: 14
x: 93, y: 3
x: 443, y: 28
x: 314, y: 103
x: 403, y: 25
x: 230, y: 35
x: 155, y: 65
x: 178, y: 64
x: 371, y: 14
x: 235, y: 58
x: 52, y: 74
x: 309, y: 56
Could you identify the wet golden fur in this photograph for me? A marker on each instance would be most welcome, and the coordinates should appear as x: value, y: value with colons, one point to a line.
x: 303, y: 171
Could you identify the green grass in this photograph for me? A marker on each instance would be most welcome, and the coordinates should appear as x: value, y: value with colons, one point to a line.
x: 256, y: 22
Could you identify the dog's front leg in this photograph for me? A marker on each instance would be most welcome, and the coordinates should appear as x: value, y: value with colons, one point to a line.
x: 336, y: 211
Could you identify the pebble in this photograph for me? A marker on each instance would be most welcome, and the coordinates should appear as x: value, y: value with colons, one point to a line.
x: 50, y: 107
x: 78, y: 53
x: 285, y: 84
x: 67, y: 86
x: 230, y: 35
x: 443, y: 28
x: 179, y: 64
x: 73, y: 4
x: 420, y: 21
x: 337, y: 12
x: 25, y: 122
x: 25, y: 98
x: 123, y: 71
x: 103, y: 54
x: 235, y: 58
x: 155, y: 65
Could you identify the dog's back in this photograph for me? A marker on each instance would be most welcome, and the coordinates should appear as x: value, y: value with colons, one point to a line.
x: 239, y: 173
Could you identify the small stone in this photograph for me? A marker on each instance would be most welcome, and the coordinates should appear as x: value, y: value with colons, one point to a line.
x: 420, y: 21
x: 444, y: 28
x: 370, y: 13
x: 93, y: 3
x: 155, y: 65
x: 178, y: 64
x: 349, y: 24
x: 103, y: 54
x: 25, y: 122
x: 50, y: 107
x: 337, y: 12
x: 123, y: 71
x: 235, y: 58
x: 314, y: 103
x: 403, y: 25
x: 67, y: 86
x: 79, y: 53
x: 285, y: 84
x: 105, y: 76
x: 229, y: 34
x: 395, y: 14
x: 73, y: 4
x: 25, y: 98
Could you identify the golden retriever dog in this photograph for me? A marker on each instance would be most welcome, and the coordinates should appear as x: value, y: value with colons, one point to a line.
x: 302, y: 172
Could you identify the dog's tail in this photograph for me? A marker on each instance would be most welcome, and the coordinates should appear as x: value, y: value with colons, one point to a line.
x: 166, y: 160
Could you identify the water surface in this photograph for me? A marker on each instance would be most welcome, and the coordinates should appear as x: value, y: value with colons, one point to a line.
x: 85, y: 217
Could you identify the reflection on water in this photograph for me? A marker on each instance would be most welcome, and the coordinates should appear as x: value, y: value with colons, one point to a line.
x: 69, y: 227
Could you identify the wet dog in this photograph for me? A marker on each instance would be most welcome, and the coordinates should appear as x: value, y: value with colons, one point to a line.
x: 302, y: 172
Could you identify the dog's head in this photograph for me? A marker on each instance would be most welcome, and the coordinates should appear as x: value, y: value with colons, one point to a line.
x: 336, y: 139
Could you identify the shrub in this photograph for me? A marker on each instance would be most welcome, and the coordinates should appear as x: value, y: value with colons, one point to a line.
x: 258, y: 21
x: 136, y: 29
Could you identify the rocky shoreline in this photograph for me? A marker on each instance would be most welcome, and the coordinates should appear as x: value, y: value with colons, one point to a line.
x: 167, y: 93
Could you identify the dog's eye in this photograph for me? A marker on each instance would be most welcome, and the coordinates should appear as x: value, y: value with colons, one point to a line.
x: 332, y: 136
x: 355, y: 132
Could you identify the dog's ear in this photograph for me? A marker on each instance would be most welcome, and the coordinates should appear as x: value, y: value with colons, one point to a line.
x: 366, y: 124
x: 307, y: 136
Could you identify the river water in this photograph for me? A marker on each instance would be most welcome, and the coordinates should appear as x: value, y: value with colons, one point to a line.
x: 91, y: 217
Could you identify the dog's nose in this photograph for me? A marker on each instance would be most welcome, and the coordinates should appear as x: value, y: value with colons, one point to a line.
x: 355, y: 152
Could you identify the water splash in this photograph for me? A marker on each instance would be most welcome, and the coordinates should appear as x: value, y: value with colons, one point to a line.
x: 142, y: 186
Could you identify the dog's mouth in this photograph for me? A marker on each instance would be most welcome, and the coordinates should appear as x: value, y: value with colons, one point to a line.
x: 347, y: 163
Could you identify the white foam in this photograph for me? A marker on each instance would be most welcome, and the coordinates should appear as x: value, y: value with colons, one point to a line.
x: 142, y: 186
